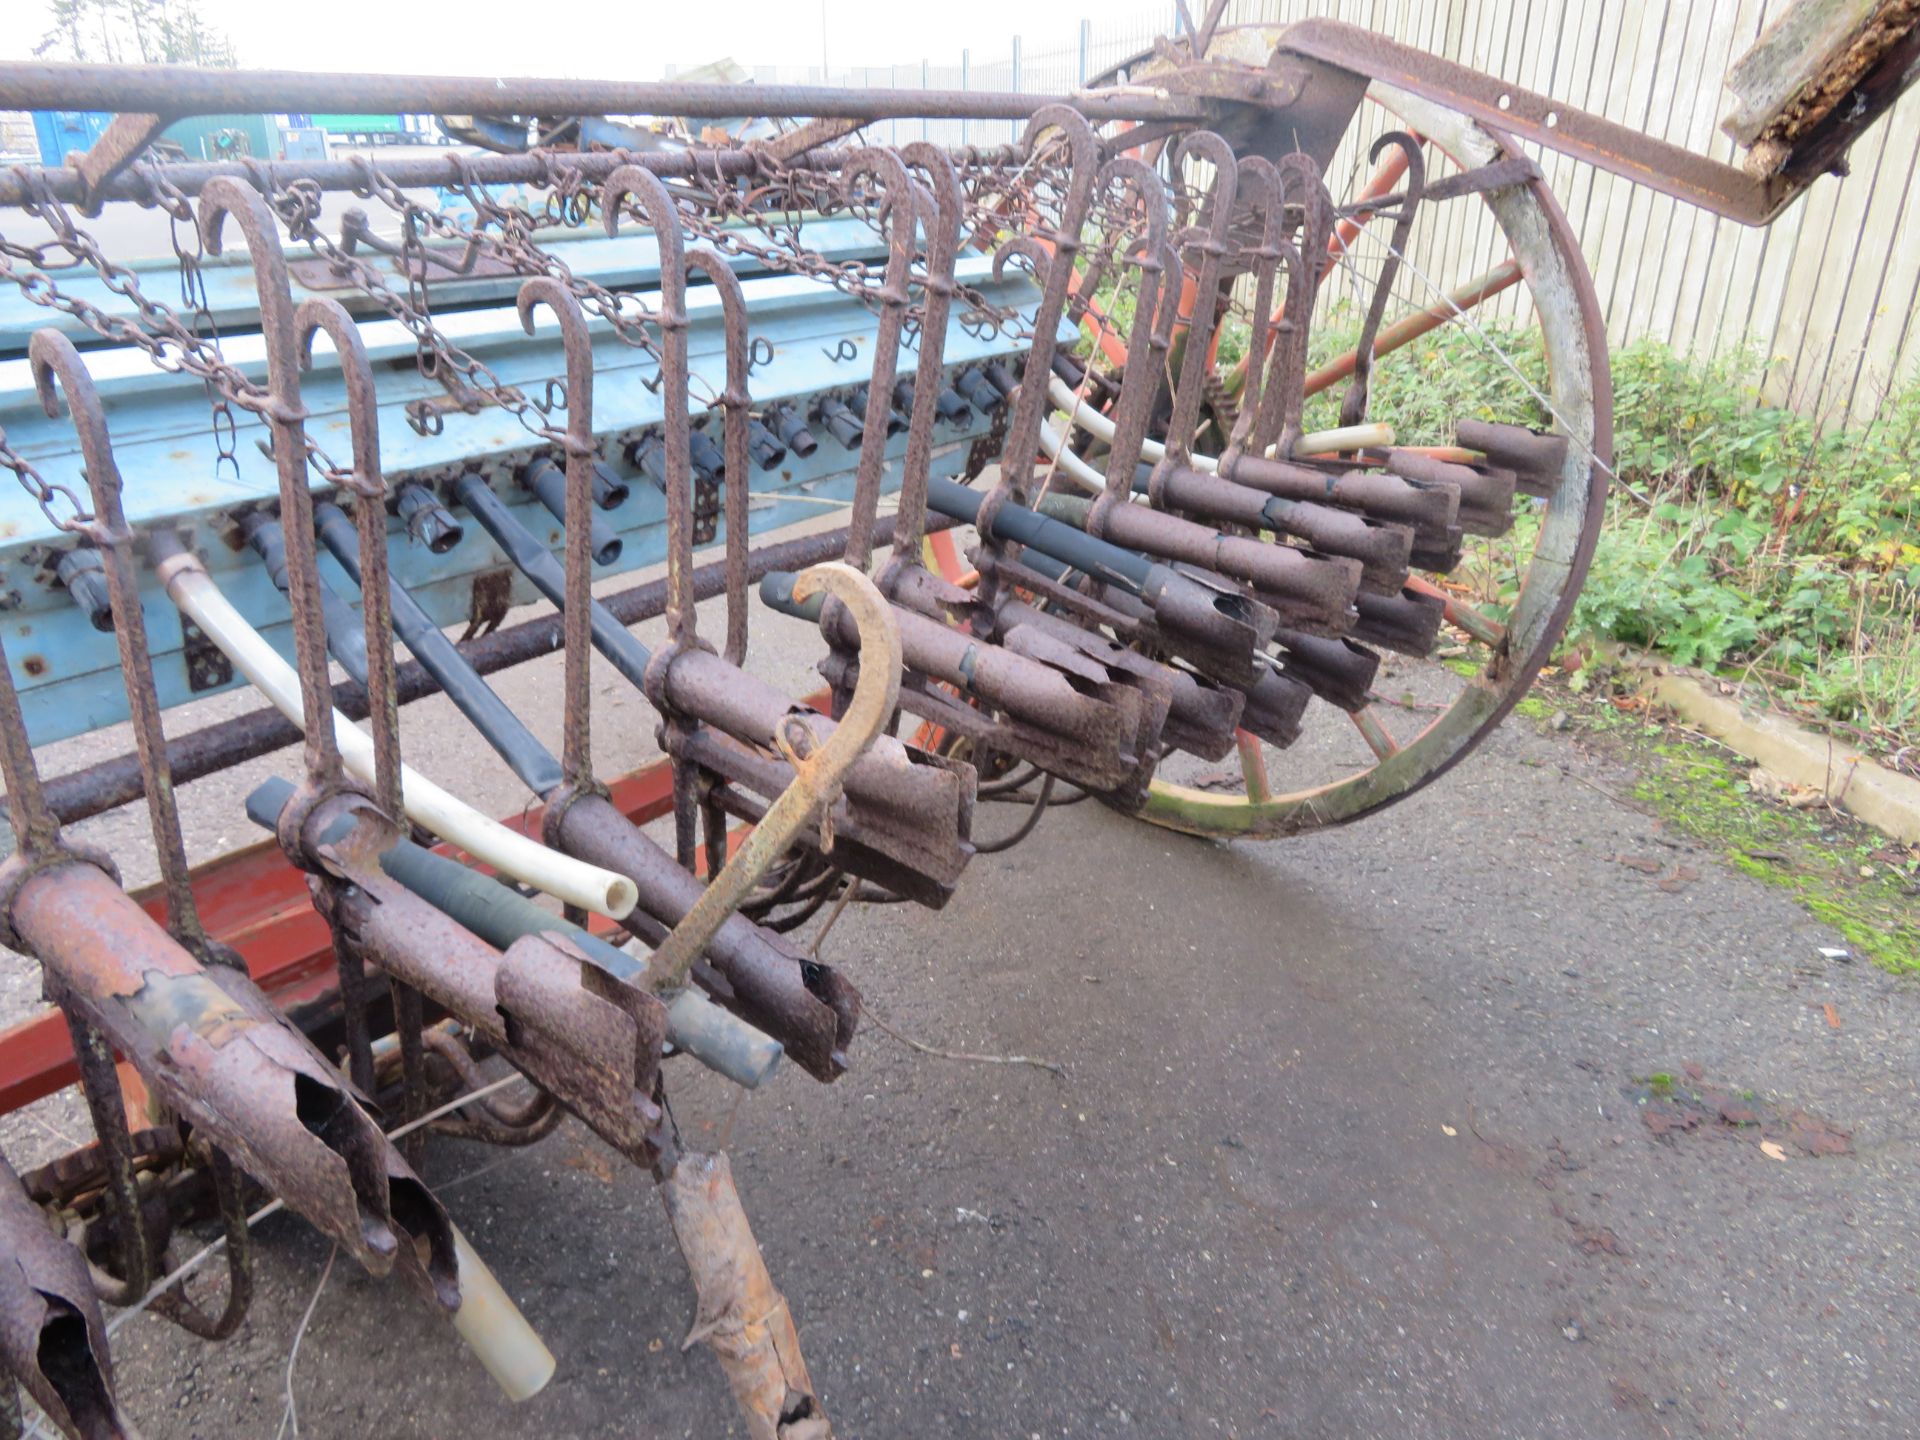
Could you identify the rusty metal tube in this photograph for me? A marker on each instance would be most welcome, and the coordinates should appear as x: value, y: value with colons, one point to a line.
x: 500, y: 916
x: 212, y: 1046
x: 52, y: 1336
x: 1024, y: 688
x: 1317, y: 590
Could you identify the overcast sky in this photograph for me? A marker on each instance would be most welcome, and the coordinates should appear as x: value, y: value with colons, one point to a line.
x: 634, y: 39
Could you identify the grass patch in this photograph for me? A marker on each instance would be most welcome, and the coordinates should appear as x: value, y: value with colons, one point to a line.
x: 1742, y: 538
x: 1845, y: 876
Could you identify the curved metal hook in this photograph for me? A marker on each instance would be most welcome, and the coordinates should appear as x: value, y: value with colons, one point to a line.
x: 1083, y: 146
x: 577, y: 341
x: 322, y: 312
x: 898, y: 226
x: 1210, y: 240
x: 641, y: 185
x: 942, y: 206
x: 576, y: 757
x: 875, y: 162
x: 1153, y: 317
x: 225, y: 196
x: 1416, y: 182
x: 1033, y: 251
x: 56, y: 366
x: 221, y: 197
x: 1353, y: 405
x: 369, y: 484
x: 1147, y: 186
x: 1300, y: 176
x: 1213, y: 148
x: 1267, y: 195
x: 817, y: 771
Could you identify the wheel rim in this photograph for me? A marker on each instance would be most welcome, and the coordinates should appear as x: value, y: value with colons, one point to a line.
x: 1567, y: 311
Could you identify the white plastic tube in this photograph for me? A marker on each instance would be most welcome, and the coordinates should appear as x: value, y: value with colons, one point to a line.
x: 1071, y: 465
x: 495, y: 1330
x: 1320, y: 442
x: 486, y: 839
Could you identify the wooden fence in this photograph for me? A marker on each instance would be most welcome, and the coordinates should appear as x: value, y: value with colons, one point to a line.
x: 1825, y: 296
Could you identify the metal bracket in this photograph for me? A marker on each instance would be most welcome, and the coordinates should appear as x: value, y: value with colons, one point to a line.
x: 124, y: 141
x: 208, y: 667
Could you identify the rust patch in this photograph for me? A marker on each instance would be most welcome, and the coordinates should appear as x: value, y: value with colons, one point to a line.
x: 487, y: 603
x: 1670, y: 1109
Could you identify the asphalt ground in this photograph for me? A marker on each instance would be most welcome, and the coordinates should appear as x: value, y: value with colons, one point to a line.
x: 1353, y: 1140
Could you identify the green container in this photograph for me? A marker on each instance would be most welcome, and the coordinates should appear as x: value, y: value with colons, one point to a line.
x: 226, y: 137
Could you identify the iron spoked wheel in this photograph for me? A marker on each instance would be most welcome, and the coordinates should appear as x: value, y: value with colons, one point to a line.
x: 1372, y: 767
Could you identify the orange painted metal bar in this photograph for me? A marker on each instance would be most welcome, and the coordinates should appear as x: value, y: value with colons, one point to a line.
x: 1409, y: 328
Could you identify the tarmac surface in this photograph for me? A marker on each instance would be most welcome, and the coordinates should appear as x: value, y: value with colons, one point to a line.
x: 1353, y: 1141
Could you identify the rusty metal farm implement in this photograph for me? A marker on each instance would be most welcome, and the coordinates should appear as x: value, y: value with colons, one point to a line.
x: 595, y: 361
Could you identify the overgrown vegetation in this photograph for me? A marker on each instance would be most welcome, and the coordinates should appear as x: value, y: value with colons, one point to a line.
x: 1845, y: 875
x: 1738, y: 538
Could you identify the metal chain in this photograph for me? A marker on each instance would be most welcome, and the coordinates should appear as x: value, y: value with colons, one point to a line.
x: 193, y: 293
x: 43, y: 491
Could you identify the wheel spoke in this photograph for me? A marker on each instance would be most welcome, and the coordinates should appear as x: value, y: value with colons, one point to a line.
x: 1462, y: 616
x: 1253, y: 767
x: 1374, y: 733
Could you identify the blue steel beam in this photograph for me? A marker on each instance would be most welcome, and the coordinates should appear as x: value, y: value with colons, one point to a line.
x: 817, y: 341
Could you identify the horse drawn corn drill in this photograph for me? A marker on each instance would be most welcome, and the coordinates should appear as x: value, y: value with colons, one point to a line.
x: 597, y: 360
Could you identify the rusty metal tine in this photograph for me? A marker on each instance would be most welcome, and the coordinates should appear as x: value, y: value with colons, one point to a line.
x: 369, y: 486
x: 897, y: 225
x: 816, y: 775
x: 1030, y: 401
x: 36, y: 833
x: 57, y: 366
x: 736, y: 405
x: 576, y: 751
x: 1269, y: 414
x: 225, y: 197
x: 1289, y: 376
x: 656, y: 206
x: 1209, y: 238
x: 1259, y: 182
x: 1353, y: 405
x: 106, y: 1107
x: 942, y: 222
x: 1141, y: 382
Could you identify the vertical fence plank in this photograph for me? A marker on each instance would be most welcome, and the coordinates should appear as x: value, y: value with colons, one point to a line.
x: 1830, y: 287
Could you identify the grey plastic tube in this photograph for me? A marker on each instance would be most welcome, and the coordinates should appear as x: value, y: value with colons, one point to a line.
x: 346, y: 636
x: 537, y: 563
x: 719, y: 1040
x: 1104, y: 562
x: 475, y: 699
x: 549, y: 484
